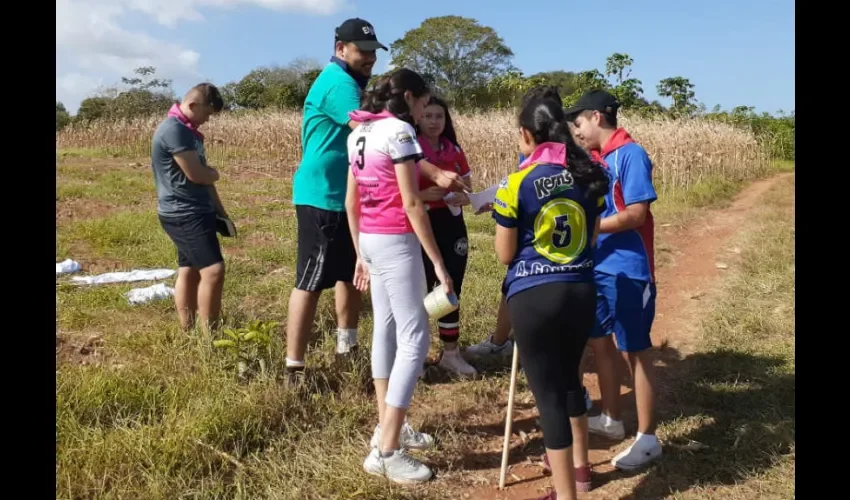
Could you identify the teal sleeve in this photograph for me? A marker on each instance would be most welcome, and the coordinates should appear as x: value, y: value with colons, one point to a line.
x: 342, y: 99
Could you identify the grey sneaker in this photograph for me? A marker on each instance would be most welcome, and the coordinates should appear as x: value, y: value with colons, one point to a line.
x: 410, y: 439
x: 400, y: 467
x: 605, y: 426
x: 488, y: 348
x: 294, y: 379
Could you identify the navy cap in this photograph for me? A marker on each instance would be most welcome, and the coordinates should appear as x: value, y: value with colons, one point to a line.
x: 359, y: 32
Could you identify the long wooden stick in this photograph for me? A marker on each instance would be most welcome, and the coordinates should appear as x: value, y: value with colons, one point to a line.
x: 509, y: 418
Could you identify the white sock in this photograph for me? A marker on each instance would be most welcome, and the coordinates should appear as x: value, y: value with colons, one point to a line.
x: 290, y: 363
x: 346, y: 338
x: 646, y: 440
x: 450, y: 346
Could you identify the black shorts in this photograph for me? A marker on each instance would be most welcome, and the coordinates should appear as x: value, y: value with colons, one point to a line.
x: 325, y: 250
x: 195, y: 238
x: 552, y: 323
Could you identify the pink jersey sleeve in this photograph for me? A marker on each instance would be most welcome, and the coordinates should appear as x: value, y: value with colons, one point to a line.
x: 374, y: 148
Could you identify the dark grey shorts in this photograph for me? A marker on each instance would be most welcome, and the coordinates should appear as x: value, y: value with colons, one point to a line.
x: 195, y: 238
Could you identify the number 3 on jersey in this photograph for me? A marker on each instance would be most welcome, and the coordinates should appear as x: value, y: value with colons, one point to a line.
x: 560, y: 230
x: 361, y: 147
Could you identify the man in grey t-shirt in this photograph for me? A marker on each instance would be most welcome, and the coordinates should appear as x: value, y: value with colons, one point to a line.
x: 188, y: 204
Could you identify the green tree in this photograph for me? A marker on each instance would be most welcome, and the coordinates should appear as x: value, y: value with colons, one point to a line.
x: 586, y: 81
x: 93, y: 108
x: 619, y: 66
x: 681, y: 91
x: 306, y: 81
x: 776, y: 133
x: 566, y: 81
x: 629, y: 91
x: 140, y: 102
x: 456, y: 52
x: 144, y: 94
x: 276, y: 87
x: 145, y: 79
x: 63, y: 118
x: 251, y: 92
x: 505, y: 90
x: 228, y: 95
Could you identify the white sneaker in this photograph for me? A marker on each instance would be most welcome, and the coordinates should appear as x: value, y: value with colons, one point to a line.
x: 488, y: 348
x: 640, y: 453
x: 453, y: 362
x: 604, y: 425
x: 400, y: 467
x: 410, y: 439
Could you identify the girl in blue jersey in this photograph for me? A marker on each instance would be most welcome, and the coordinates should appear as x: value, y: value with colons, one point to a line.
x: 547, y: 217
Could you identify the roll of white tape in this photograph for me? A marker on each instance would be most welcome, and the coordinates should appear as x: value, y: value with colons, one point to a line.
x: 438, y: 303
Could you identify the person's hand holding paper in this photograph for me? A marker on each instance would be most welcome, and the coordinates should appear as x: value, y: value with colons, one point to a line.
x: 480, y: 202
x: 483, y: 201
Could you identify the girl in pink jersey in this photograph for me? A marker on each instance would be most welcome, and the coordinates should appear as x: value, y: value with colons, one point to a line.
x: 436, y: 135
x: 390, y: 227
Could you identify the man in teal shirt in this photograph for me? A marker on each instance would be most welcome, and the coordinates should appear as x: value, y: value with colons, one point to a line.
x: 326, y: 256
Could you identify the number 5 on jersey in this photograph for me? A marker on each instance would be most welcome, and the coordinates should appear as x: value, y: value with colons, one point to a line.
x: 562, y: 234
x: 560, y: 231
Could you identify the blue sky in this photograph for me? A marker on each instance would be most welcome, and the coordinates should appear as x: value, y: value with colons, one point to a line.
x: 735, y: 52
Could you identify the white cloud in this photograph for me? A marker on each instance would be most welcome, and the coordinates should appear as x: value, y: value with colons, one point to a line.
x: 72, y: 88
x: 169, y: 12
x: 92, y: 46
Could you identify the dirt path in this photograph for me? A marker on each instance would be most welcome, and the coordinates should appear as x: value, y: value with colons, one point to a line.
x: 700, y: 253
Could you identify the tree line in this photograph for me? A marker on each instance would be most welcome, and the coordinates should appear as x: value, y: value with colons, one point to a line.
x: 467, y: 63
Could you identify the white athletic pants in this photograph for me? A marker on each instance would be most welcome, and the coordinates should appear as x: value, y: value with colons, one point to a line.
x: 401, y: 337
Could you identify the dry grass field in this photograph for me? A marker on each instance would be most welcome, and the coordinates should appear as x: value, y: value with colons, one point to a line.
x: 145, y: 411
x: 684, y: 152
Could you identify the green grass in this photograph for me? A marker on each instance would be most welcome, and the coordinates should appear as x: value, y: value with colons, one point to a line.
x: 784, y: 165
x: 65, y: 153
x: 160, y: 414
x: 736, y: 394
x: 111, y: 186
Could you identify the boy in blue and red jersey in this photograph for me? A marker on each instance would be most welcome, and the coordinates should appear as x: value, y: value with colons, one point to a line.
x: 625, y: 274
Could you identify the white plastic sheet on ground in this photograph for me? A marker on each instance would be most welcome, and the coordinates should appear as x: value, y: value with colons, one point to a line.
x: 153, y: 292
x: 126, y: 277
x: 68, y: 266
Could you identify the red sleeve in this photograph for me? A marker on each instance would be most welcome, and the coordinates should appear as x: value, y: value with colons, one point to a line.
x: 462, y: 163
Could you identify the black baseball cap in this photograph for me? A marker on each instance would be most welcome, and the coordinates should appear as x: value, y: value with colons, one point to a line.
x: 594, y: 100
x: 359, y: 32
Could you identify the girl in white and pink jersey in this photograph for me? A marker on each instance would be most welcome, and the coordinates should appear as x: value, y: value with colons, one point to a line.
x: 390, y: 228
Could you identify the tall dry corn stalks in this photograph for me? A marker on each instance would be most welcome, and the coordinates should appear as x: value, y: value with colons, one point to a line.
x: 683, y: 151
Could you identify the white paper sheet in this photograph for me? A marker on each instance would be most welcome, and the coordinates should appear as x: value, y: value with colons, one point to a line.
x: 122, y: 277
x: 153, y: 292
x: 478, y: 200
